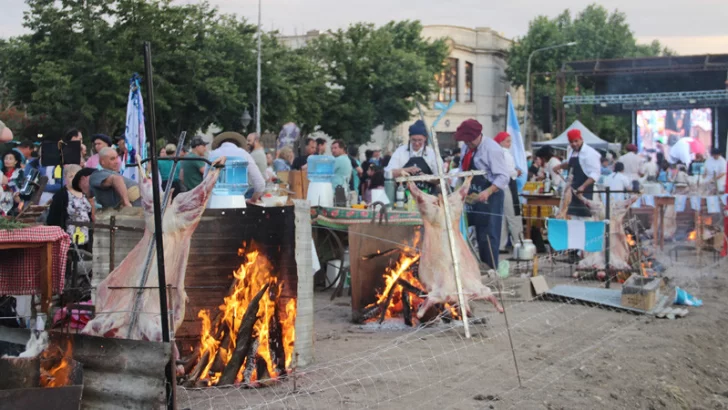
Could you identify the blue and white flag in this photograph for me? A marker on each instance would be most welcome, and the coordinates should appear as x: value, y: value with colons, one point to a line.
x: 518, y: 149
x: 573, y: 234
x: 135, y: 134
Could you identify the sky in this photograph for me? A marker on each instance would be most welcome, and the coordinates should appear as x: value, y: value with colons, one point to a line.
x: 688, y: 27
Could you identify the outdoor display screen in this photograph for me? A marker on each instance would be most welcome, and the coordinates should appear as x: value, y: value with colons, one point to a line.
x: 659, y: 130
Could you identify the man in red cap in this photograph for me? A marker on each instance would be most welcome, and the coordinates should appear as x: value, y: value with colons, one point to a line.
x: 632, y: 162
x: 584, y: 165
x: 485, y: 212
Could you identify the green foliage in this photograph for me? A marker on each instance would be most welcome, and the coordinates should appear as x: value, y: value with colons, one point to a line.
x: 375, y: 75
x: 599, y: 34
x: 75, y: 66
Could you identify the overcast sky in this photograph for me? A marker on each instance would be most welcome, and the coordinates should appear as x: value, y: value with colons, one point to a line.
x: 688, y: 26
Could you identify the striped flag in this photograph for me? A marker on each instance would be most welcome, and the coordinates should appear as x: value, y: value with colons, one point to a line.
x: 575, y: 234
x: 135, y: 135
x: 518, y: 149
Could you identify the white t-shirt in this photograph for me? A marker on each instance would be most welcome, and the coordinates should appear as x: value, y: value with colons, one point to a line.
x: 632, y: 164
x: 555, y: 173
x: 714, y: 167
x: 618, y: 181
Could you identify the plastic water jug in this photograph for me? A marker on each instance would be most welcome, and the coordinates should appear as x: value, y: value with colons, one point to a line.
x: 320, y: 168
x: 233, y: 179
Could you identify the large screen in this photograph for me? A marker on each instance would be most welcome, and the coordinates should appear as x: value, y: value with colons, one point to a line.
x: 659, y: 130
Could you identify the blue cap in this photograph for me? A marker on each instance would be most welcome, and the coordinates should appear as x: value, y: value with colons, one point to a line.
x: 418, y: 128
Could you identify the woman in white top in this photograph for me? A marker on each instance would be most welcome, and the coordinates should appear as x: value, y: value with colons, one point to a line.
x: 618, y: 181
x: 512, y: 222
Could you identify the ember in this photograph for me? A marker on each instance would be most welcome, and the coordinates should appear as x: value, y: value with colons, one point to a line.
x: 253, y: 334
x: 55, y: 368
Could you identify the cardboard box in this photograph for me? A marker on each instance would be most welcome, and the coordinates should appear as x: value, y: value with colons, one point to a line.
x: 641, y: 292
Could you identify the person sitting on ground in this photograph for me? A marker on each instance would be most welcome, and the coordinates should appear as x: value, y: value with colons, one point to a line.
x: 107, y: 186
x: 70, y: 205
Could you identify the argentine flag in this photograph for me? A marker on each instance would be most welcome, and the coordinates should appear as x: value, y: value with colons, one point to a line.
x: 575, y: 234
x: 518, y: 149
x: 135, y: 134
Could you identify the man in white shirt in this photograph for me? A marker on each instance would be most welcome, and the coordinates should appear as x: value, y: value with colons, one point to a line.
x: 512, y: 222
x: 584, y: 165
x: 415, y: 148
x: 649, y: 169
x: 632, y: 162
x: 715, y: 169
x: 228, y: 144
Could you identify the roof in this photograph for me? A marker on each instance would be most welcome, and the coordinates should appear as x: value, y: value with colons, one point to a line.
x: 704, y: 62
x: 589, y: 137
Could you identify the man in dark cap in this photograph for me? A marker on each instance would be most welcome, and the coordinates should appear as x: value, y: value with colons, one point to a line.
x: 99, y: 142
x: 415, y: 157
x: 487, y: 192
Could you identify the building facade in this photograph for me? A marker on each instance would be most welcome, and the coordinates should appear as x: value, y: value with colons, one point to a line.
x: 474, y: 76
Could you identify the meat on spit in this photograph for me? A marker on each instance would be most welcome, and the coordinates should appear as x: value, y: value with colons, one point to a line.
x: 436, y: 262
x: 116, y: 294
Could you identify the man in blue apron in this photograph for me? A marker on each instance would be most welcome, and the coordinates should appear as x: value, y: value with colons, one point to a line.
x: 484, y: 204
x: 584, y: 163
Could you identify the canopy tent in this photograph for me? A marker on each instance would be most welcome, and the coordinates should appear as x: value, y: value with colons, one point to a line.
x: 562, y: 141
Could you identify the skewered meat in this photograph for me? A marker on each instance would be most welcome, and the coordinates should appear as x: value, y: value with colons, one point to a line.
x: 117, y: 293
x: 619, y: 250
x: 436, y: 262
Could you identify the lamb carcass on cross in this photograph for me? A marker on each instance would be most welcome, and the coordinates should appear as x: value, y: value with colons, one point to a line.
x: 114, y: 306
x: 436, y: 270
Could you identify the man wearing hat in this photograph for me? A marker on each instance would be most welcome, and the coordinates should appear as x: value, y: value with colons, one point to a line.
x: 485, y: 209
x: 99, y: 142
x: 230, y: 144
x: 584, y: 163
x: 512, y: 222
x: 415, y: 157
x: 632, y: 162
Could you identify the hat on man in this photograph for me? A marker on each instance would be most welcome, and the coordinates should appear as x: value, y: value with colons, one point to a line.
x: 103, y: 137
x: 468, y: 131
x: 197, y: 141
x: 229, y: 136
x: 574, y: 135
x: 631, y: 148
x: 418, y: 128
x: 501, y: 136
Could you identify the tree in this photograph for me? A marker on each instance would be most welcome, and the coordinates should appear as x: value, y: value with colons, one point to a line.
x: 374, y: 76
x: 74, y: 67
x: 599, y: 34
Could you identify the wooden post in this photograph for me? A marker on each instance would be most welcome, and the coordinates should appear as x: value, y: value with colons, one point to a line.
x: 46, y: 277
x: 112, y: 242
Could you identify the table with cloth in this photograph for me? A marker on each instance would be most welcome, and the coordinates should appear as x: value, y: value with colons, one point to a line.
x: 33, y: 261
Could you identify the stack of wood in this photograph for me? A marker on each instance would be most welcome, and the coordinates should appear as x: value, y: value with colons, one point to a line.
x: 245, y: 353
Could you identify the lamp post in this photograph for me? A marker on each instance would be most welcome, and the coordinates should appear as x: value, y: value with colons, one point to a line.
x: 245, y: 119
x: 528, y: 84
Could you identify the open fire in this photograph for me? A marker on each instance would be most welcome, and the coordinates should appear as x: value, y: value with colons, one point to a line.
x: 402, y: 293
x: 55, y: 365
x: 252, y: 336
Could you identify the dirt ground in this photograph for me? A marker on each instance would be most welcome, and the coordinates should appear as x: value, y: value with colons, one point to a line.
x: 570, y: 356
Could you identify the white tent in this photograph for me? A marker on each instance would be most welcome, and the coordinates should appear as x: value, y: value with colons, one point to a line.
x: 562, y: 141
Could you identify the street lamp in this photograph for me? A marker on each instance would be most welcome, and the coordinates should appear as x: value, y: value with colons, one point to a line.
x: 246, y: 118
x: 528, y: 82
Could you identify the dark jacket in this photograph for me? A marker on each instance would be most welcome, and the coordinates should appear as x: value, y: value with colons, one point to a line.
x: 58, y: 211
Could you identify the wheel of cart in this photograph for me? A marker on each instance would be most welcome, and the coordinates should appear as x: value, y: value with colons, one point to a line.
x: 329, y: 248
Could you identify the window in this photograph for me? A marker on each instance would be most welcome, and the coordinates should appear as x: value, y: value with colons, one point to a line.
x: 447, y: 80
x: 468, y: 82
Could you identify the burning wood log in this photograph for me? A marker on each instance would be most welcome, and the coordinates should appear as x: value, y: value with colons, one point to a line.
x: 406, y: 286
x: 243, y: 340
x: 275, y: 343
x: 406, y: 309
x: 385, y: 305
x: 250, y: 363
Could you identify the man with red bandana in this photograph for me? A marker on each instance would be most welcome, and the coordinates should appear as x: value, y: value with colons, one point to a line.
x: 485, y: 209
x: 584, y: 165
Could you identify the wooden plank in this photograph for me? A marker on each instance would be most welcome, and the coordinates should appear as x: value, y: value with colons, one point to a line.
x: 366, y: 275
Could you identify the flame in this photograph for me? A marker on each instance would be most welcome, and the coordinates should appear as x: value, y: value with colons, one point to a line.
x: 630, y: 240
x: 693, y: 235
x: 59, y: 373
x: 403, y: 270
x: 250, y: 278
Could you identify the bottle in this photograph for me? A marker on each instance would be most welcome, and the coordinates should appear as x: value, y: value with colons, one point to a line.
x: 547, y: 183
x: 399, y: 197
